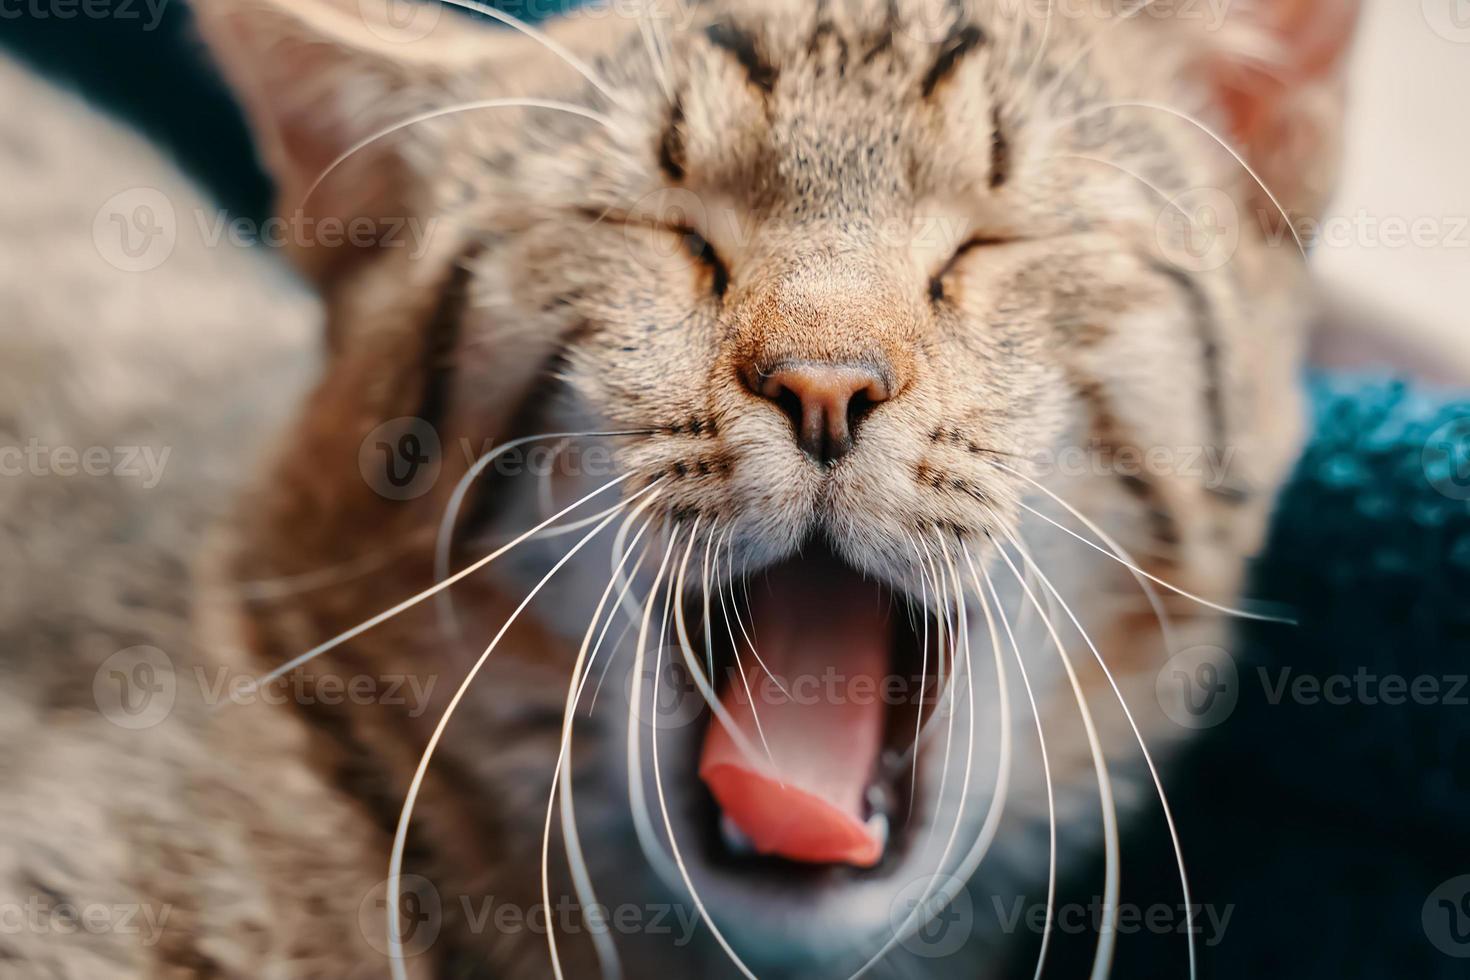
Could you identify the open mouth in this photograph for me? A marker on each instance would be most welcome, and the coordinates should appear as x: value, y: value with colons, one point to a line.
x: 825, y: 679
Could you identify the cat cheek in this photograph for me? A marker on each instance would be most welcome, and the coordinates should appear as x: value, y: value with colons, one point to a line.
x: 662, y: 263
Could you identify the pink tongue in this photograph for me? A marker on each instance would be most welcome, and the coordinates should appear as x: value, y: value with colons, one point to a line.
x: 826, y: 638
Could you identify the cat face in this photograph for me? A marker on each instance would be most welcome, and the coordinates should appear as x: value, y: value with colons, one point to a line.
x: 922, y: 245
x: 836, y: 274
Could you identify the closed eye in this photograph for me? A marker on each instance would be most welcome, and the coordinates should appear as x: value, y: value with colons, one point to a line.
x: 694, y: 243
x: 702, y: 250
x: 936, y: 284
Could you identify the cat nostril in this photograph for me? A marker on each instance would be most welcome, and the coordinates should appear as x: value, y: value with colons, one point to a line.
x: 825, y: 402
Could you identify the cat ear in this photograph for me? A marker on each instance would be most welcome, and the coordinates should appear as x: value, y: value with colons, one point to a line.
x: 1277, y: 68
x: 319, y: 79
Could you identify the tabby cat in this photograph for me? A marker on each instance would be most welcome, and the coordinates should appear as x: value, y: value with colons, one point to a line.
x: 828, y: 416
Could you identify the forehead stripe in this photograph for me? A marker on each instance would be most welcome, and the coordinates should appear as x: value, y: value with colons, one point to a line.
x: 671, y: 144
x: 1203, y: 319
x: 741, y: 45
x: 441, y: 335
x: 959, y: 43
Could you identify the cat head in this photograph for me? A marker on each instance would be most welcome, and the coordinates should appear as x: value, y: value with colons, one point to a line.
x: 833, y: 274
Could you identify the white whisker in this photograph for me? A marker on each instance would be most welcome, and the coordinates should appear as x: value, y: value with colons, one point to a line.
x: 438, y: 587
x: 1045, y: 95
x: 541, y: 38
x: 1122, y: 557
x: 551, y: 104
x: 1224, y: 145
x: 1003, y: 775
x: 1107, y: 929
x: 940, y: 691
x: 571, y: 527
x: 664, y: 809
x: 954, y: 882
x: 606, y: 953
x: 923, y: 667
x: 1041, y: 46
x: 618, y: 643
x: 735, y: 605
x: 1051, y: 806
x: 1157, y: 191
x: 706, y: 690
x: 655, y: 56
x: 286, y: 586
x: 1138, y: 735
x: 544, y: 498
x: 946, y: 628
x: 443, y: 542
x: 1166, y: 623
x: 744, y: 681
x: 1209, y: 131
x: 637, y: 802
x: 711, y: 564
x: 400, y: 836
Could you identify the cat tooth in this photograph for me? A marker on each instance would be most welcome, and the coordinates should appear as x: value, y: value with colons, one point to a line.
x: 735, y: 840
x: 877, y: 799
x: 877, y: 825
x: 877, y: 822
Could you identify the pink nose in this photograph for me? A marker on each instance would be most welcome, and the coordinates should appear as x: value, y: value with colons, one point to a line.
x: 825, y: 402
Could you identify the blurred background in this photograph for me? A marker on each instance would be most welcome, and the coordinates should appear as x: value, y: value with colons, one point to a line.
x: 1407, y: 147
x: 1332, y: 835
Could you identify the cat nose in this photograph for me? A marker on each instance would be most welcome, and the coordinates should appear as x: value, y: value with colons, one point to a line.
x: 825, y: 402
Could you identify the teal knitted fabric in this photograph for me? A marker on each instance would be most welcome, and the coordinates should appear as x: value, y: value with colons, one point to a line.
x: 1327, y: 816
